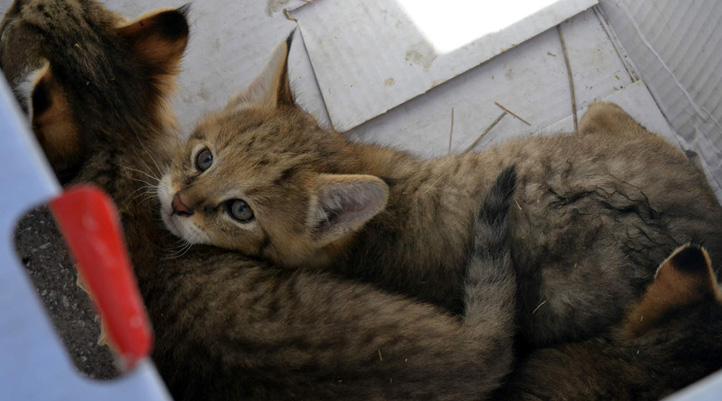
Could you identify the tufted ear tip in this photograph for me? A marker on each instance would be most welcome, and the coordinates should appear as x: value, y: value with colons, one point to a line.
x: 290, y: 37
x: 272, y: 87
x: 158, y: 39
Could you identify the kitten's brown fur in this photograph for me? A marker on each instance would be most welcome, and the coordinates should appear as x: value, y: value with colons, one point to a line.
x: 595, y: 213
x: 671, y: 338
x: 228, y: 327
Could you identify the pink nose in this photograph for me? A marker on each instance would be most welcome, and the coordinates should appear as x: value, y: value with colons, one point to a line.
x: 179, y: 207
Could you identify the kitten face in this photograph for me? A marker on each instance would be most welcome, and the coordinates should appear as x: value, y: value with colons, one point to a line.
x: 220, y: 190
x: 262, y: 178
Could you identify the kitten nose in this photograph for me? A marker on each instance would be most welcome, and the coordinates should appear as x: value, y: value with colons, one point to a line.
x: 179, y: 207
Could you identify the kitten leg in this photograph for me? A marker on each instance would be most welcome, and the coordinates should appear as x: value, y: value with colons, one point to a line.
x: 608, y: 118
x: 491, y: 282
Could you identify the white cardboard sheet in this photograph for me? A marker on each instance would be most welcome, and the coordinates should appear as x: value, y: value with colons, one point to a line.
x: 531, y: 80
x: 370, y: 56
x: 676, y: 47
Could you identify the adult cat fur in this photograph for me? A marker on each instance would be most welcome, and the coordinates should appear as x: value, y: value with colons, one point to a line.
x: 669, y: 339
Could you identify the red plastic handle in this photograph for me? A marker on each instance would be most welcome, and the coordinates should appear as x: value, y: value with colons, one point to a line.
x: 89, y: 221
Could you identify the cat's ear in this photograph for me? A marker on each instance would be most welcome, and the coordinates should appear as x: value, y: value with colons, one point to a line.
x: 604, y: 118
x: 272, y: 87
x: 685, y: 278
x: 158, y: 39
x: 342, y: 204
x: 52, y: 120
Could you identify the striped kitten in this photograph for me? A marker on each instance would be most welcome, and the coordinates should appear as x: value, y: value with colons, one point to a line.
x: 594, y: 213
x: 230, y: 327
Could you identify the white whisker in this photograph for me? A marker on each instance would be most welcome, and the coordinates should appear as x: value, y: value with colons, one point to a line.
x: 143, y: 181
x: 152, y: 158
x: 154, y: 178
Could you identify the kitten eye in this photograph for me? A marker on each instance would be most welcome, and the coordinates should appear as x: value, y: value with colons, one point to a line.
x: 204, y: 160
x: 239, y: 210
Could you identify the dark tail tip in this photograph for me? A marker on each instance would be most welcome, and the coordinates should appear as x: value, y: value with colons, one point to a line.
x: 506, y: 182
x: 499, y: 197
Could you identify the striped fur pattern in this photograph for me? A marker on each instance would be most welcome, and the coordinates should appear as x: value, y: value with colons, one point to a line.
x: 593, y: 216
x: 227, y: 326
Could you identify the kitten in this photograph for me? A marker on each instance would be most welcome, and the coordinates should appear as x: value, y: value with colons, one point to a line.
x: 594, y: 215
x: 229, y: 327
x: 669, y: 339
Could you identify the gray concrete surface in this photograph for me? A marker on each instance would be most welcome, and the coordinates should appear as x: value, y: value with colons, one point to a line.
x: 42, y: 250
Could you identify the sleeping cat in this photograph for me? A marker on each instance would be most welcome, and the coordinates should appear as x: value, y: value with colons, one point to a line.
x: 230, y: 327
x: 594, y: 215
x: 669, y: 339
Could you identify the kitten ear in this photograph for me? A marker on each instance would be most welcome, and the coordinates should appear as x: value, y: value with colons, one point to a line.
x: 272, y: 87
x: 342, y: 204
x: 609, y: 119
x: 158, y: 39
x: 52, y: 120
x: 685, y: 278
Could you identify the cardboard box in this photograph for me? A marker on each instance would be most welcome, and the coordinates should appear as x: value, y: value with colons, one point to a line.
x: 361, y: 65
x: 677, y: 50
